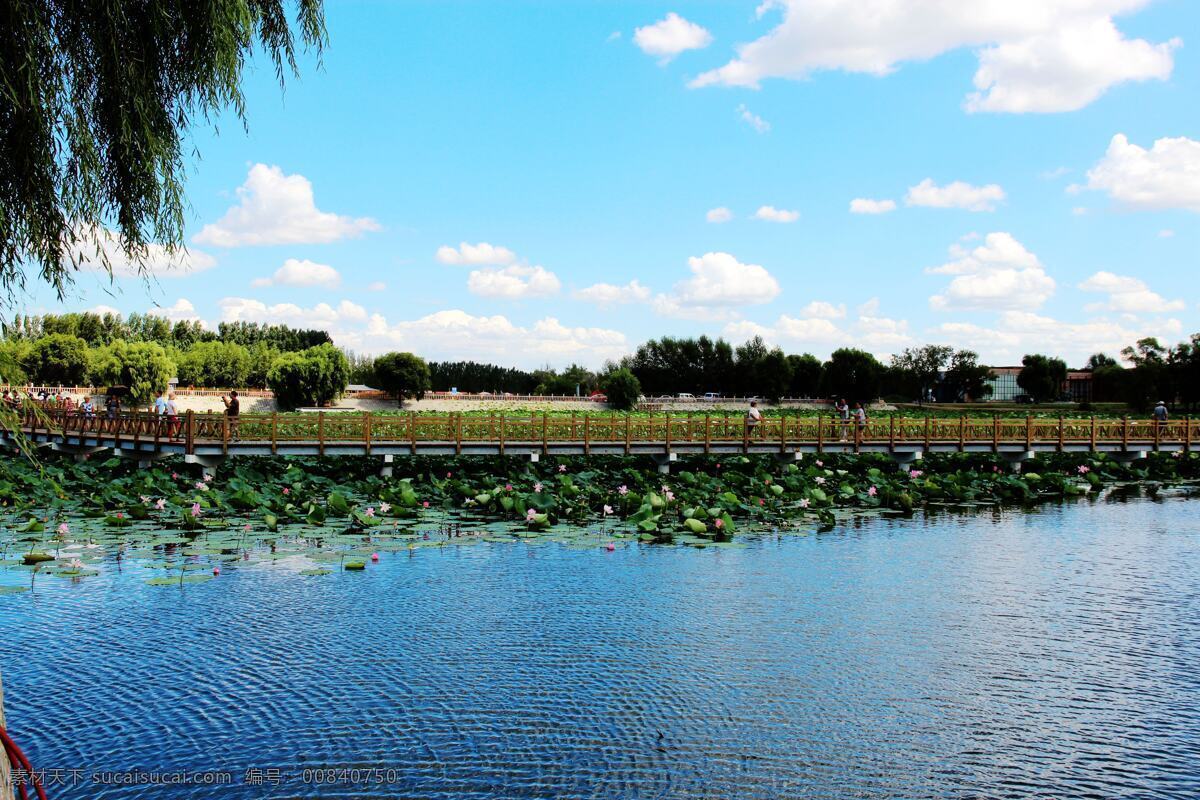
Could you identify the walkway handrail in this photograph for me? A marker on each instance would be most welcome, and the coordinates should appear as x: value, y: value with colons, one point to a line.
x: 667, y: 430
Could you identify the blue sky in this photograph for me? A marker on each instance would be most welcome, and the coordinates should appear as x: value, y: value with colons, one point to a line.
x: 1043, y: 159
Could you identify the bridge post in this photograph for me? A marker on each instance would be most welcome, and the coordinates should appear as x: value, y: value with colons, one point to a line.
x: 1015, y: 460
x: 385, y: 471
x: 907, y: 457
x: 664, y: 462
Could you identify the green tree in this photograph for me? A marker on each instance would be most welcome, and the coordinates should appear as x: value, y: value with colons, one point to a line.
x: 97, y: 101
x: 622, y: 388
x: 146, y: 369
x: 852, y: 374
x: 402, y: 374
x: 215, y: 365
x: 923, y: 365
x: 59, y: 359
x: 966, y: 377
x: 313, y: 377
x: 806, y: 375
x: 1042, y: 377
x: 774, y: 375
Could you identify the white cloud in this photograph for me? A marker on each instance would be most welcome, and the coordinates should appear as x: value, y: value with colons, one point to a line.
x: 607, y: 294
x: 879, y: 335
x: 772, y: 214
x: 862, y: 205
x: 1165, y: 176
x: 1034, y: 55
x: 671, y: 36
x: 302, y: 272
x: 819, y: 309
x: 719, y: 214
x: 719, y: 283
x: 999, y: 274
x: 377, y: 286
x: 91, y: 250
x: 274, y: 208
x: 181, y: 310
x: 476, y: 254
x: 1052, y: 174
x: 954, y: 195
x: 513, y: 282
x: 1128, y: 295
x: 1019, y: 332
x: 455, y: 334
x: 753, y: 120
x: 103, y: 309
x: 869, y: 309
x: 322, y: 315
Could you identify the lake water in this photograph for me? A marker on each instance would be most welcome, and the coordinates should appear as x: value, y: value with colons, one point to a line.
x: 1000, y: 654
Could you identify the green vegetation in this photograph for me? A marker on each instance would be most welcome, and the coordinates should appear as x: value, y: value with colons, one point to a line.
x: 622, y: 389
x: 1042, y: 377
x: 313, y: 377
x: 401, y: 374
x: 98, y: 99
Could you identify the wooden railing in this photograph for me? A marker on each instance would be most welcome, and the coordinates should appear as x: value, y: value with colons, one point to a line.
x: 322, y: 429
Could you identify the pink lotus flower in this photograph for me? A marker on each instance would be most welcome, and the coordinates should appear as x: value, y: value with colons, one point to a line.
x: 720, y: 523
x: 508, y: 487
x: 74, y: 563
x: 610, y: 547
x: 202, y: 486
x: 425, y: 504
x: 762, y: 502
x: 246, y: 527
x: 216, y: 570
x: 370, y: 512
x: 820, y: 463
x: 374, y: 556
x: 385, y: 507
x: 174, y: 475
x: 449, y: 475
x: 562, y: 467
x: 804, y: 502
x: 286, y: 490
x: 160, y: 503
x: 537, y: 487
x: 196, y: 510
x: 64, y: 528
x: 915, y: 473
x: 608, y: 510
x: 622, y: 490
x: 530, y: 514
x: 145, y: 500
x: 669, y: 495
x: 820, y: 481
x: 872, y: 491
x: 120, y: 515
x: 1084, y: 469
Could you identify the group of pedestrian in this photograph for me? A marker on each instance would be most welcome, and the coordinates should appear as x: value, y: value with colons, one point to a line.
x: 858, y: 414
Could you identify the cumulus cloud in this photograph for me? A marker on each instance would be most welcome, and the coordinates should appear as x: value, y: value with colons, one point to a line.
x: 607, y: 294
x: 302, y: 272
x: 753, y: 120
x: 1128, y: 295
x: 476, y: 254
x: 1034, y: 56
x: 1019, y: 332
x: 91, y: 250
x: 820, y: 335
x: 954, y: 195
x: 671, y: 36
x: 719, y: 214
x: 181, y: 310
x: 719, y: 284
x: 999, y: 274
x: 773, y: 214
x: 274, y: 208
x: 819, y: 309
x: 863, y: 205
x: 322, y: 315
x: 457, y: 335
x: 1165, y: 176
x: 513, y: 282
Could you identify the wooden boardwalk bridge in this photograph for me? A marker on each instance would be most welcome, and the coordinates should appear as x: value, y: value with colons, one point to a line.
x: 207, y: 439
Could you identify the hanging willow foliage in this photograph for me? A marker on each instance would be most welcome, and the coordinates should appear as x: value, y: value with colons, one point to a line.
x: 96, y: 98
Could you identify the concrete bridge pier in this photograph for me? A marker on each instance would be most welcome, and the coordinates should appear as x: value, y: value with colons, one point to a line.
x: 385, y: 471
x: 1015, y: 460
x: 784, y: 459
x: 664, y: 462
x: 1128, y: 457
x: 908, y: 456
x: 208, y: 464
x: 535, y: 457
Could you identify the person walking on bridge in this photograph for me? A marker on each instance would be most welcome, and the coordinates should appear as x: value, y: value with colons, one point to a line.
x: 233, y: 408
x: 1160, y: 416
x: 753, y: 418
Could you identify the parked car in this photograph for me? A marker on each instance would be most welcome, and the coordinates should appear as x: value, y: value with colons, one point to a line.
x: 686, y: 396
x: 712, y: 397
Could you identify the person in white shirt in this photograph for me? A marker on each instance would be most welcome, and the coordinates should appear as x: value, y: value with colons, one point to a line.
x: 753, y: 418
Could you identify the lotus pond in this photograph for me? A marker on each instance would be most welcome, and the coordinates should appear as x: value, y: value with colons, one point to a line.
x: 1006, y: 651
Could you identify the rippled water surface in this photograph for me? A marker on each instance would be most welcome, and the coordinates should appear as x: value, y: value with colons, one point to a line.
x: 1045, y: 654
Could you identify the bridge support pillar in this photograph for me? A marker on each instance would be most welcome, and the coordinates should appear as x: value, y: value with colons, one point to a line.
x: 1015, y: 460
x: 535, y: 458
x: 385, y: 471
x: 1128, y: 457
x: 664, y: 462
x: 208, y: 464
x: 908, y: 456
